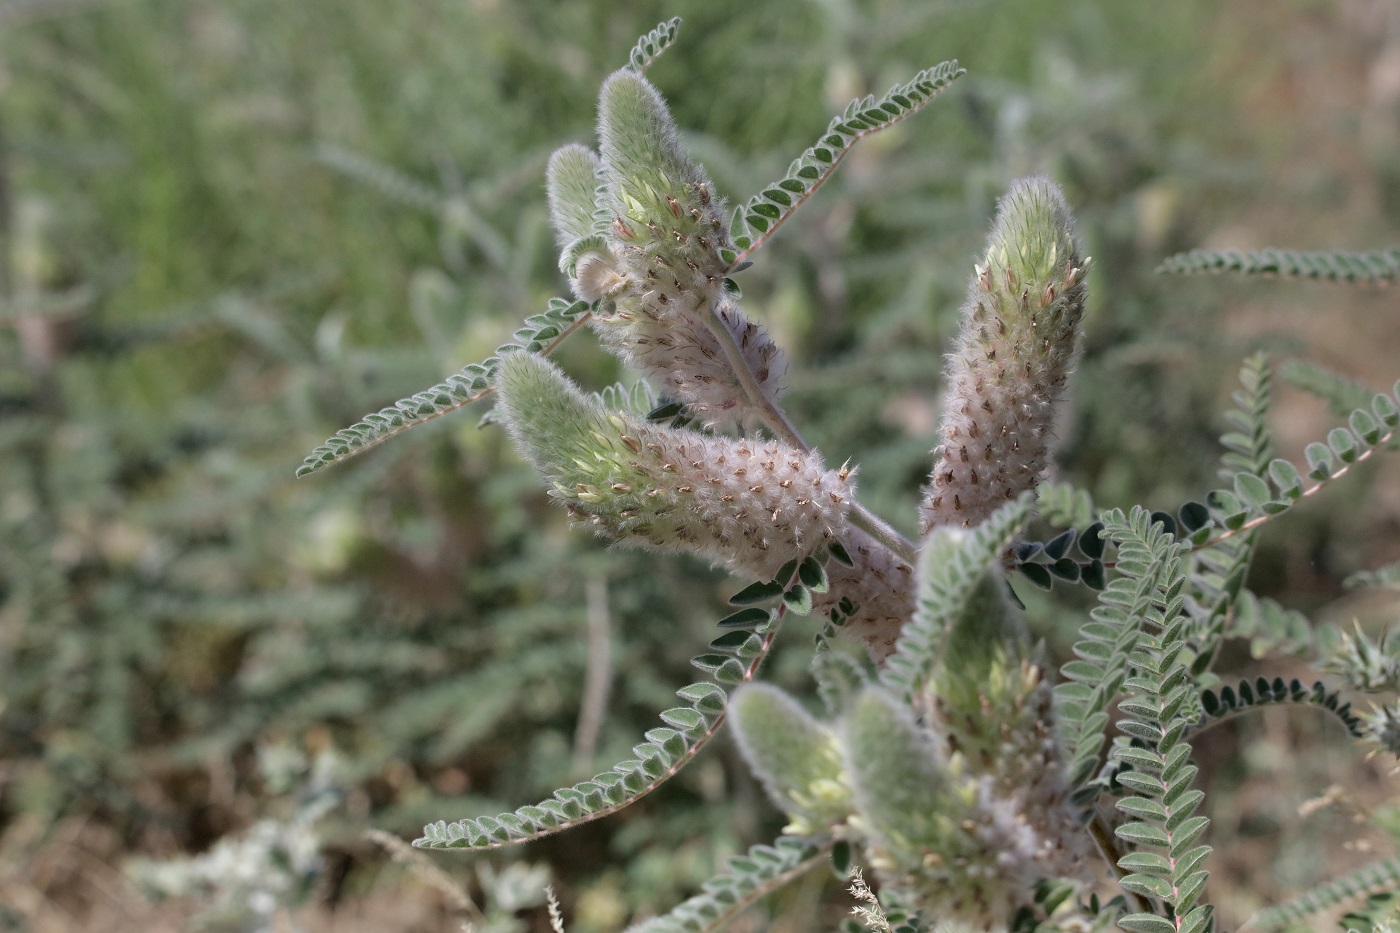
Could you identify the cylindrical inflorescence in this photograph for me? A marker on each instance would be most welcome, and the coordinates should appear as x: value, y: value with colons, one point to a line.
x: 1017, y: 346
x: 571, y: 182
x: 656, y: 266
x: 750, y: 505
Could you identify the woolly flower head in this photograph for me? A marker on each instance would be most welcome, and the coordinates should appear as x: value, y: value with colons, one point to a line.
x: 750, y: 505
x: 641, y: 233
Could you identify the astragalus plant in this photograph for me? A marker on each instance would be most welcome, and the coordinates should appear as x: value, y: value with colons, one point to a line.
x: 975, y: 783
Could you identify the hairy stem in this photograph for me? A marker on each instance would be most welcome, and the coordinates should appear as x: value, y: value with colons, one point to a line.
x: 1318, y: 486
x: 597, y: 676
x: 875, y: 526
x: 1312, y: 490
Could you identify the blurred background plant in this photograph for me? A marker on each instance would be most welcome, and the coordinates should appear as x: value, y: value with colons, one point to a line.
x: 227, y: 229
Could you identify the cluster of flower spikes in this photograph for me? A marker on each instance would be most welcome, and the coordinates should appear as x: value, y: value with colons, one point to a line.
x: 642, y: 237
x: 640, y: 231
x: 960, y: 799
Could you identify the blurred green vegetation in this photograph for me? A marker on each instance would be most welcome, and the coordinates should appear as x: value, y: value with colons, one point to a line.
x: 228, y: 229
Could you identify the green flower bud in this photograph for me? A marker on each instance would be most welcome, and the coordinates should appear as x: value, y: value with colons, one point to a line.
x: 750, y: 505
x: 987, y: 697
x: 585, y: 254
x: 981, y: 629
x: 899, y: 773
x: 571, y: 182
x: 1017, y: 346
x: 797, y: 758
x: 662, y: 202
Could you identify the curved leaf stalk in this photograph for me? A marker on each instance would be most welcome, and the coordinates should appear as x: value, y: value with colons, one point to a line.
x: 1259, y: 520
x: 760, y: 872
x: 1229, y: 702
x: 1262, y: 493
x: 650, y: 46
x: 689, y: 730
x: 542, y: 334
x: 768, y: 211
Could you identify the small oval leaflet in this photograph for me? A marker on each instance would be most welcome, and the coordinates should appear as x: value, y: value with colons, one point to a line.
x: 745, y: 618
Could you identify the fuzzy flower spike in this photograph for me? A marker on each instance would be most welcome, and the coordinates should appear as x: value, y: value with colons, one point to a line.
x: 641, y: 229
x: 750, y: 505
x: 1018, y: 344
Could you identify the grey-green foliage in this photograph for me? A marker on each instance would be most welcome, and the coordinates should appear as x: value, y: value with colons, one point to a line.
x: 1159, y: 705
x: 540, y: 333
x: 757, y: 220
x: 952, y: 774
x: 670, y: 486
x: 663, y: 753
x: 1220, y: 572
x: 246, y: 882
x: 1231, y: 701
x: 758, y: 872
x: 1065, y: 506
x: 945, y: 783
x: 734, y: 658
x: 641, y: 160
x: 951, y: 572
